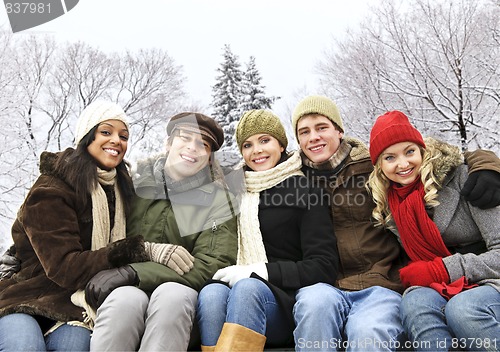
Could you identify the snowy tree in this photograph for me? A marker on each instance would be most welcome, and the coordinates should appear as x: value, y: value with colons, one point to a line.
x: 234, y: 93
x: 226, y: 100
x: 226, y: 96
x: 44, y: 88
x: 437, y: 61
x: 253, y: 92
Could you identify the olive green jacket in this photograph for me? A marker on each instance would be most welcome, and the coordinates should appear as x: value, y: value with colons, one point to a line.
x: 202, y: 220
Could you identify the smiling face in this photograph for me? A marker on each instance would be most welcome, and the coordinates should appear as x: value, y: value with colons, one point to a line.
x: 110, y: 144
x: 318, y: 137
x: 261, y: 152
x: 188, y: 154
x: 401, y: 162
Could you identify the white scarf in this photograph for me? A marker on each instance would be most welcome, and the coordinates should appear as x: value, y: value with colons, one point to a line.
x: 250, y: 244
x: 101, y: 236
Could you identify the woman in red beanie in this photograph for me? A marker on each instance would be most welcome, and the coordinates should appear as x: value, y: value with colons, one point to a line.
x: 453, y: 278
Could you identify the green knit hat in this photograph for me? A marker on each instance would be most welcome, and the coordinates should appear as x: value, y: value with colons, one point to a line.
x: 317, y: 104
x: 260, y: 121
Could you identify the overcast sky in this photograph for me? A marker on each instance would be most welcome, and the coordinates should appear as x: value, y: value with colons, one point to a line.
x: 287, y: 37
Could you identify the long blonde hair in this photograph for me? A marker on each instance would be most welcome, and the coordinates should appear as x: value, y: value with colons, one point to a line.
x: 378, y: 185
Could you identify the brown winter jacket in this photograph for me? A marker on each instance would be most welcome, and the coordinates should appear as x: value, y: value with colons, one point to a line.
x: 369, y: 256
x: 52, y: 235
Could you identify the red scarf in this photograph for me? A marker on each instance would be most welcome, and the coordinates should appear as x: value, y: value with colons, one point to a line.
x: 420, y: 236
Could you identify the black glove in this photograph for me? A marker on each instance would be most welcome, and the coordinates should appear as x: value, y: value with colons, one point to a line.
x: 101, y: 285
x: 9, y: 264
x: 482, y: 189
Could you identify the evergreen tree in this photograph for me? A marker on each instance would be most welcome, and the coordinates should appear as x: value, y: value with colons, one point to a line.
x: 253, y: 95
x: 226, y: 96
x: 236, y: 91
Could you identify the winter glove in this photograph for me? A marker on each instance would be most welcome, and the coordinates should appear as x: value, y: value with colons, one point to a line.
x: 9, y: 264
x: 101, y: 285
x: 422, y: 273
x: 482, y: 189
x: 175, y: 257
x: 234, y: 273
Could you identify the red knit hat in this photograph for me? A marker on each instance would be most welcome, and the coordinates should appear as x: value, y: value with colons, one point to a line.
x: 391, y: 128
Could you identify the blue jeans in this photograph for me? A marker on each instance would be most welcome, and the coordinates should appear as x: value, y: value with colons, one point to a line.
x: 469, y: 320
x: 330, y: 319
x: 21, y: 332
x: 249, y: 303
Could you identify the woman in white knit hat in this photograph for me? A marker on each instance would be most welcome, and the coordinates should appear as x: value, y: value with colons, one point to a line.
x: 182, y: 201
x: 62, y: 235
x: 285, y: 242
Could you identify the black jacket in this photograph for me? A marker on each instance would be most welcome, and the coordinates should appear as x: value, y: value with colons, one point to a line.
x: 299, y: 239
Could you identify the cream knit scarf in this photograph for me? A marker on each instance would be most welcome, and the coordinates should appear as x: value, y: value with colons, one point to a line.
x: 101, y: 236
x: 250, y: 244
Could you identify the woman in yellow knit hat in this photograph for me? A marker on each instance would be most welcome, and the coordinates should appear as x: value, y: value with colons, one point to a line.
x: 285, y: 242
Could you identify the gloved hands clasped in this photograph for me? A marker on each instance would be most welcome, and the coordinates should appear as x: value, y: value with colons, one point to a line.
x: 234, y: 273
x: 104, y: 282
x: 423, y: 273
x: 173, y: 256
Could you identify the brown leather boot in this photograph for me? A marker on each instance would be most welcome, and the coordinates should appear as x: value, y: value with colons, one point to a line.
x: 235, y: 338
x: 207, y: 348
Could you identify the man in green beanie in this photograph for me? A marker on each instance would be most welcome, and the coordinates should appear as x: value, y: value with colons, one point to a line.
x: 362, y: 311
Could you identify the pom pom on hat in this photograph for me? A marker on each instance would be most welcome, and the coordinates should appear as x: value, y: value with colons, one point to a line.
x: 198, y: 123
x: 95, y: 113
x: 317, y: 104
x: 260, y: 121
x: 391, y: 128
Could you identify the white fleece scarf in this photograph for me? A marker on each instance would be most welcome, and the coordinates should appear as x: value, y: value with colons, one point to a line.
x: 250, y: 244
x: 102, y: 235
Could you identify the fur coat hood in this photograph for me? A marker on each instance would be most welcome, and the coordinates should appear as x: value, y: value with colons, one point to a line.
x: 359, y: 150
x: 445, y: 158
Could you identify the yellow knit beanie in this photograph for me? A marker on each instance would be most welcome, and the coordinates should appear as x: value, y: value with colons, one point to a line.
x: 317, y: 104
x: 260, y: 121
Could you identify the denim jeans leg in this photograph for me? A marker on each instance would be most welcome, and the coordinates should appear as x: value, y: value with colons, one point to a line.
x: 252, y: 304
x: 474, y: 318
x: 422, y: 313
x: 68, y: 338
x: 374, y: 322
x: 320, y: 312
x: 211, y: 312
x: 20, y: 332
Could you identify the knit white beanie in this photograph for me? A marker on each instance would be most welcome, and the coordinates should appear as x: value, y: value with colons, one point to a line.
x: 95, y: 113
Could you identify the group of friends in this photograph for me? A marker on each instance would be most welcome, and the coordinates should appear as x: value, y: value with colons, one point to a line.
x: 335, y: 246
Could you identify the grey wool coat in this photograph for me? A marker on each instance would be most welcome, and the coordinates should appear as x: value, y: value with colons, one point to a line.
x: 471, y: 234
